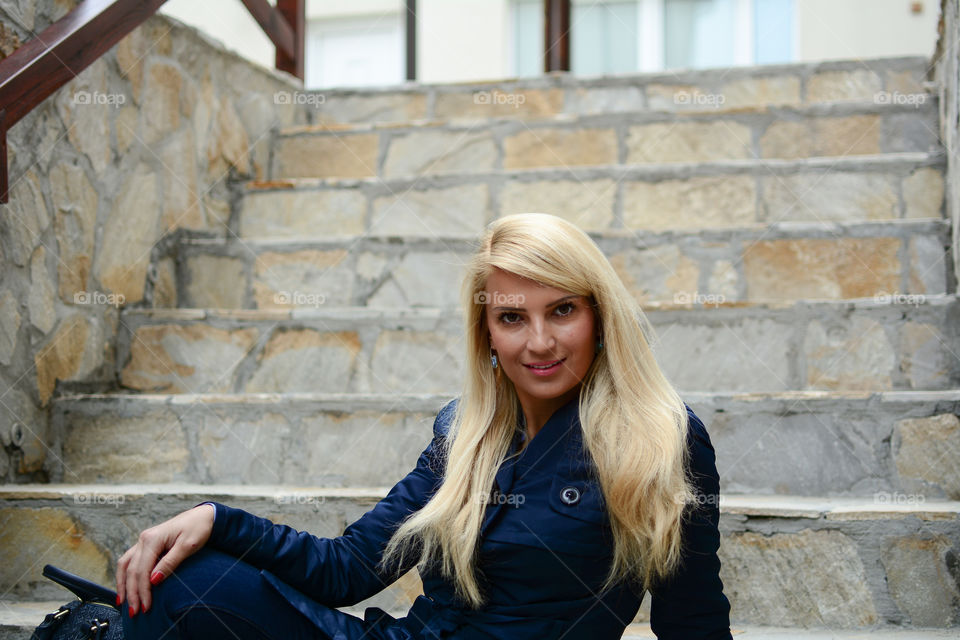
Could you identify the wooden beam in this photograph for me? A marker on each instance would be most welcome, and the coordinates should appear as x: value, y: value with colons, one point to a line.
x: 294, y: 13
x: 273, y: 24
x: 411, y: 24
x: 556, y: 39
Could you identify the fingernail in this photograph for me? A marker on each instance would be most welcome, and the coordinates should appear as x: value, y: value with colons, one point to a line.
x: 132, y: 611
x: 156, y: 578
x: 119, y: 600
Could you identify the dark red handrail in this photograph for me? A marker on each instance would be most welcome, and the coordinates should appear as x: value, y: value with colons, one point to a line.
x: 43, y: 64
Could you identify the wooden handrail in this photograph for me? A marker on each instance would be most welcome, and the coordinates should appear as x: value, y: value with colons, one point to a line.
x: 45, y: 63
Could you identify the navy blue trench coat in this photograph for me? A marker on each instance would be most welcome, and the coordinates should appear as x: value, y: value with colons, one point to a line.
x: 545, y: 548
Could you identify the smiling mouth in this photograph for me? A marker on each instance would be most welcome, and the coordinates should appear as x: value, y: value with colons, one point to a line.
x: 541, y: 367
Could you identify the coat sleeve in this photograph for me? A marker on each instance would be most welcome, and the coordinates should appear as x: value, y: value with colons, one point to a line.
x: 339, y: 571
x: 691, y: 604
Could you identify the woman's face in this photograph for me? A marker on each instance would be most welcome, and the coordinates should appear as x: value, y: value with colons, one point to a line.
x: 532, y: 324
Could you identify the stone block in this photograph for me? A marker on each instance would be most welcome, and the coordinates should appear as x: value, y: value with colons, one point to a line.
x: 928, y: 268
x: 791, y: 269
x: 545, y: 147
x: 421, y: 362
x: 589, y: 100
x: 462, y: 209
x: 386, y: 107
x: 307, y: 278
x: 24, y: 218
x: 185, y: 358
x: 924, y: 360
x: 74, y: 350
x: 588, y: 204
x: 927, y: 453
x: 422, y: 280
x: 161, y: 110
x: 216, y: 282
x: 250, y: 448
x: 760, y: 92
x: 860, y: 85
x: 656, y: 274
x: 923, y: 192
x: 75, y: 205
x: 694, y: 203
x: 851, y: 355
x: 41, y: 295
x: 302, y: 213
x: 182, y: 196
x: 306, y: 360
x: 851, y: 135
x: 829, y: 196
x: 922, y: 579
x: 704, y: 141
x: 326, y: 156
x: 429, y: 152
x: 498, y: 103
x: 9, y: 326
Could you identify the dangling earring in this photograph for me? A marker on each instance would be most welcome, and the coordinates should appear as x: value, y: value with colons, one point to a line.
x: 493, y: 359
x: 599, y: 345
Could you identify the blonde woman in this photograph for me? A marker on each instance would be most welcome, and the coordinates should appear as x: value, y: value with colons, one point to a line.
x: 566, y: 480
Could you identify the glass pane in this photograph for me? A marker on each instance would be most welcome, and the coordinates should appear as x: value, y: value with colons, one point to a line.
x: 603, y: 37
x: 773, y: 31
x: 528, y: 37
x: 698, y: 33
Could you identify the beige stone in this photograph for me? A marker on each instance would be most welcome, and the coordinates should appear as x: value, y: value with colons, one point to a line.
x: 86, y: 107
x: 422, y: 280
x: 388, y: 107
x: 128, y: 236
x: 306, y: 361
x: 684, y: 97
x: 165, y: 287
x: 544, y: 147
x: 792, y: 269
x: 861, y: 85
x: 928, y: 450
x: 327, y: 156
x: 248, y: 450
x: 182, y: 200
x: 75, y: 205
x: 688, y: 142
x: 415, y: 362
x: 302, y: 279
x: 453, y: 210
x: 303, y: 213
x: 61, y: 358
x: 928, y: 269
x: 147, y: 40
x: 228, y: 144
x: 694, y: 203
x: 161, y: 101
x: 430, y: 152
x: 126, y: 127
x: 587, y: 204
x: 923, y: 192
x: 498, y: 103
x: 905, y: 82
x: 852, y: 135
x: 185, y: 358
x: 723, y: 281
x: 760, y: 92
x: 218, y: 211
x: 923, y: 360
x: 35, y: 536
x: 854, y: 355
x: 41, y: 294
x: 24, y: 219
x: 9, y: 326
x: 9, y: 41
x: 919, y: 578
x: 215, y: 282
x: 829, y: 196
x: 150, y: 447
x: 656, y: 274
x: 810, y: 578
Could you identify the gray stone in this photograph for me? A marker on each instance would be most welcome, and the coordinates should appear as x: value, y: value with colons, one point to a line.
x: 453, y: 210
x: 9, y: 326
x: 429, y: 152
x: 920, y: 580
x: 830, y: 196
x: 40, y: 297
x: 306, y: 361
x: 243, y: 450
x: 24, y: 218
x: 927, y: 453
x: 604, y: 100
x: 75, y: 217
x: 423, y: 280
x: 405, y: 362
x: 588, y: 203
x: 851, y: 355
x: 303, y: 213
x: 928, y: 269
x: 306, y: 278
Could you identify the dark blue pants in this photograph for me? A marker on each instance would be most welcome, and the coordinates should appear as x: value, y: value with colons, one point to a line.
x: 214, y: 595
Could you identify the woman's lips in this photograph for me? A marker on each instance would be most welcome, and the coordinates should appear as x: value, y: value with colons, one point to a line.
x: 545, y: 371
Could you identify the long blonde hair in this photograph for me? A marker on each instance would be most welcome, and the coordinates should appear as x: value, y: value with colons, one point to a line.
x: 634, y: 423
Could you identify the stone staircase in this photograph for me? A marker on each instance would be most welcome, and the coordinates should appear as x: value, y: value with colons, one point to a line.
x: 783, y: 227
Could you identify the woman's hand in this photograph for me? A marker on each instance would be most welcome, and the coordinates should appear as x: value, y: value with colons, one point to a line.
x: 171, y: 543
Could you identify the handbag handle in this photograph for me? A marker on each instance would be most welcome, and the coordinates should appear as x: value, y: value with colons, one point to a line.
x: 84, y: 589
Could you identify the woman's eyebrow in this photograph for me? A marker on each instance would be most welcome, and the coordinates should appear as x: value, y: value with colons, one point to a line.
x: 558, y: 301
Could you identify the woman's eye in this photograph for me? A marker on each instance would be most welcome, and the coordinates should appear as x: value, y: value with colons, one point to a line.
x: 504, y: 315
x: 567, y: 304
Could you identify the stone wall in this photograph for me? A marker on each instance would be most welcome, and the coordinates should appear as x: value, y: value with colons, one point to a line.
x: 947, y: 72
x: 138, y: 145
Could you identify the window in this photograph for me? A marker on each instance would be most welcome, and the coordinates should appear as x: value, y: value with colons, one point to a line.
x: 358, y: 51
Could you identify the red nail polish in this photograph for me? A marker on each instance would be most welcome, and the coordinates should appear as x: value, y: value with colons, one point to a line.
x: 132, y: 611
x: 156, y: 578
x: 119, y: 600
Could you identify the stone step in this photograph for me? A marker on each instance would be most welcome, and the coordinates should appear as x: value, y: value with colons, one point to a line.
x: 875, y: 344
x: 869, y: 444
x: 782, y: 261
x: 786, y: 561
x: 659, y: 196
x: 629, y: 138
x: 899, y: 81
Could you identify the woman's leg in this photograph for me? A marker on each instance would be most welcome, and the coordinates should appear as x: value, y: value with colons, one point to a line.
x: 214, y: 595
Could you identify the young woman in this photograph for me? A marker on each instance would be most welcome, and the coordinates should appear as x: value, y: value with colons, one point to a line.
x: 566, y: 480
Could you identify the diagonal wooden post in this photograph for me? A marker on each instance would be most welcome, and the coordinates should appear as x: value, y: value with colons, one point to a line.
x: 294, y: 12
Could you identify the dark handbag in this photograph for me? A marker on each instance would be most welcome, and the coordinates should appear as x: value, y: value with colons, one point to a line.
x: 93, y: 616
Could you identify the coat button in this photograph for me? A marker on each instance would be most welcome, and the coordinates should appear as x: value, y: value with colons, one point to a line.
x: 570, y: 495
